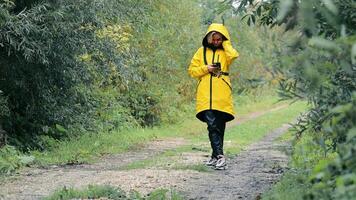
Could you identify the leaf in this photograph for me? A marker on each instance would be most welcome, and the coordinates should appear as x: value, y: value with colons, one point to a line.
x: 323, y: 44
x: 351, y: 134
x: 61, y: 128
x: 45, y: 129
x: 253, y: 19
x: 285, y: 7
x: 259, y: 10
x: 249, y: 21
x: 329, y: 4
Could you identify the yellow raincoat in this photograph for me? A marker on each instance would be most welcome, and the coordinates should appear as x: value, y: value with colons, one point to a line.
x: 214, y: 93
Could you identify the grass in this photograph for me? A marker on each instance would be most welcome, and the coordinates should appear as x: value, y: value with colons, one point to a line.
x: 247, y: 104
x: 285, y: 137
x: 306, y: 156
x: 293, y: 182
x: 110, y: 192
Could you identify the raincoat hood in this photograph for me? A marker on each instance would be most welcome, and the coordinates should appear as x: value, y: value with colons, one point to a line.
x: 217, y: 28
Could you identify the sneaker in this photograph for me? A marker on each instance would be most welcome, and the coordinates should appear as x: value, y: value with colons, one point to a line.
x: 221, y: 163
x: 211, y: 162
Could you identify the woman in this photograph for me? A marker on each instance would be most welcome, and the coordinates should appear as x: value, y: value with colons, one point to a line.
x: 210, y: 65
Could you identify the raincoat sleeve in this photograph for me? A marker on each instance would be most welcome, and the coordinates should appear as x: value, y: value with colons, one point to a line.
x: 197, y: 68
x: 230, y: 52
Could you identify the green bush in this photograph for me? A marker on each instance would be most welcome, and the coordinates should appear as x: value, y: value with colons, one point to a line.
x: 320, y: 66
x: 68, y: 67
x: 42, y: 76
x: 336, y: 179
x: 253, y: 72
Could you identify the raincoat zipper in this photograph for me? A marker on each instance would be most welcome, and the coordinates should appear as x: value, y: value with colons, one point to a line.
x: 211, y: 84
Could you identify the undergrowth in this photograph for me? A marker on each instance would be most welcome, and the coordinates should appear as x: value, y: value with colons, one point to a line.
x: 110, y: 192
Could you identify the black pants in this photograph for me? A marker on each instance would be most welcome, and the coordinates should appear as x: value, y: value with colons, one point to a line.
x: 216, y: 127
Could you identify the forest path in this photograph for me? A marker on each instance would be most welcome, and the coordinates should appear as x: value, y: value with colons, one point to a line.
x: 249, y: 173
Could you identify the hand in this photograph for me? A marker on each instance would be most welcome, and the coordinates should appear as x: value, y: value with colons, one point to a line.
x: 212, y: 68
x: 226, y: 42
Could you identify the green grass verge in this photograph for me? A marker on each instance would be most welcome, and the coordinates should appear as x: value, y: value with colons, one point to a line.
x: 306, y: 156
x: 292, y: 187
x: 110, y: 192
x: 248, y: 104
x: 285, y: 137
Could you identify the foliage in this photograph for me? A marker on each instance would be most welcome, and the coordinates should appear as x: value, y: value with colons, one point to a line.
x: 319, y: 67
x: 71, y: 67
x: 293, y: 182
x: 4, y: 110
x: 337, y: 179
x: 92, y: 192
x: 166, y: 41
x: 42, y: 76
x: 212, y: 11
x: 253, y: 72
x: 11, y: 160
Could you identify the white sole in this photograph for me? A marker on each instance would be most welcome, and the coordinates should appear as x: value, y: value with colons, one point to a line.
x: 220, y: 168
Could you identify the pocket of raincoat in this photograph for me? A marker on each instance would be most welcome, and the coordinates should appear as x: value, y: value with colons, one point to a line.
x: 196, y: 89
x: 227, y: 83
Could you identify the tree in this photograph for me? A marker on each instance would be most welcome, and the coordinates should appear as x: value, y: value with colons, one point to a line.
x: 321, y: 68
